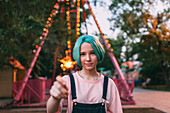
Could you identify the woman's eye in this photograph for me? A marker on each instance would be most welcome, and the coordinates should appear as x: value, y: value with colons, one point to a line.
x: 82, y: 54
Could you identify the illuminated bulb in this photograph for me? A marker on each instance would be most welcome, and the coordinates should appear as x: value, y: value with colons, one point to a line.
x: 69, y: 46
x: 49, y: 25
x: 49, y: 19
x: 44, y: 29
x: 67, y: 12
x: 47, y: 30
x: 57, y: 7
x: 78, y: 33
x: 40, y: 37
x: 78, y: 25
x: 34, y: 51
x: 78, y: 20
x: 107, y: 41
x: 54, y: 14
x: 109, y: 45
x: 36, y: 46
x: 47, y: 22
x: 78, y: 29
x: 68, y: 42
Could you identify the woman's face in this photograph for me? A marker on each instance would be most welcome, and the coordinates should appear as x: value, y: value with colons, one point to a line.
x: 87, y: 57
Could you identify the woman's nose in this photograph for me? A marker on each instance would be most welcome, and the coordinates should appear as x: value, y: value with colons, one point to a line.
x: 87, y: 57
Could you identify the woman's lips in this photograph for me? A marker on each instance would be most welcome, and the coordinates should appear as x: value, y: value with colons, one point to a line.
x: 88, y: 64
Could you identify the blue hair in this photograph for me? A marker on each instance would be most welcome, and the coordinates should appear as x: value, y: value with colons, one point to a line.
x: 97, y: 47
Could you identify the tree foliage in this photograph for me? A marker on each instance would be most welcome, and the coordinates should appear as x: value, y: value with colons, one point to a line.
x: 137, y: 22
x: 117, y: 45
x: 22, y: 23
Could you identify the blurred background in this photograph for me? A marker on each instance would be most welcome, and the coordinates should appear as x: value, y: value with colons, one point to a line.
x: 37, y: 36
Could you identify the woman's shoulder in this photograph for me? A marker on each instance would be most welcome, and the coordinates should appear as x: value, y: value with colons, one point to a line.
x: 66, y: 77
x: 111, y: 82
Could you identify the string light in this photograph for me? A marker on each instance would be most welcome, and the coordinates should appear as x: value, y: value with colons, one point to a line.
x: 36, y: 46
x: 78, y: 19
x: 34, y: 51
x: 48, y: 22
x: 40, y: 37
x: 49, y: 19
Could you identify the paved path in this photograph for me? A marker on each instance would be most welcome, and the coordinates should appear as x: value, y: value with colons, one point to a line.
x: 144, y: 99
x: 149, y: 98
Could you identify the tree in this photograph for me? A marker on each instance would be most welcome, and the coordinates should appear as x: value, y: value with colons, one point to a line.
x: 117, y: 45
x: 136, y: 21
x: 22, y: 23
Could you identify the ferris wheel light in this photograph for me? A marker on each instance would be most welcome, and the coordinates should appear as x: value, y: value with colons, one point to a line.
x: 36, y: 46
x: 49, y: 19
x: 109, y: 45
x: 78, y: 33
x: 34, y: 51
x: 47, y: 22
x: 40, y: 37
x: 78, y: 25
x: 78, y: 29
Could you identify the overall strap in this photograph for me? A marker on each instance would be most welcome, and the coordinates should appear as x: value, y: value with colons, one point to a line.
x: 73, y: 87
x: 105, y: 84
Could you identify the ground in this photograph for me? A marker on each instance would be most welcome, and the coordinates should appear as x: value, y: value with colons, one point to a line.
x: 42, y: 110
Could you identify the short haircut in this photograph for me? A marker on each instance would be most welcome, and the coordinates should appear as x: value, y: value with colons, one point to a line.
x: 97, y: 47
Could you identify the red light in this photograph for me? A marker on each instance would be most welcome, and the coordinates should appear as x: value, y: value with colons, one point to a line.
x: 36, y: 46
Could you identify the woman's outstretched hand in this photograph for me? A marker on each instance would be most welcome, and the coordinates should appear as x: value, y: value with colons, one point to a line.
x: 59, y: 89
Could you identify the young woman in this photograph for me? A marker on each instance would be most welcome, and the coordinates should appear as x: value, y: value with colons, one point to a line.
x: 87, y: 91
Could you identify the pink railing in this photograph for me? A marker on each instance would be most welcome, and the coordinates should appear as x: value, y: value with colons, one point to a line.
x: 34, y: 91
x: 122, y: 90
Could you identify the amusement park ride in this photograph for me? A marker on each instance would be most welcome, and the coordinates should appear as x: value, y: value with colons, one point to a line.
x: 124, y: 89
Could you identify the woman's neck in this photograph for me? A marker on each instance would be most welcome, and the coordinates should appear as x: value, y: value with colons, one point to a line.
x: 89, y: 74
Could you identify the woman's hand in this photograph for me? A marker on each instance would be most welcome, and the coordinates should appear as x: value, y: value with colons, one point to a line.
x: 59, y: 89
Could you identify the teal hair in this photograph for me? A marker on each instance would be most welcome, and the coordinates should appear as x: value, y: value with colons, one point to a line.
x: 97, y: 47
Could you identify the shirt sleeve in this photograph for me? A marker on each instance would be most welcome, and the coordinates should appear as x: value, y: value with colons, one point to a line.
x: 115, y: 103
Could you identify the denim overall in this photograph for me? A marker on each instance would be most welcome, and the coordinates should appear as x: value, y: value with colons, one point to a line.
x: 88, y: 108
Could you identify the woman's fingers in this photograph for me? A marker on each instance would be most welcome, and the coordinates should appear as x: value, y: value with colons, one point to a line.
x: 59, y: 89
x: 62, y: 82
